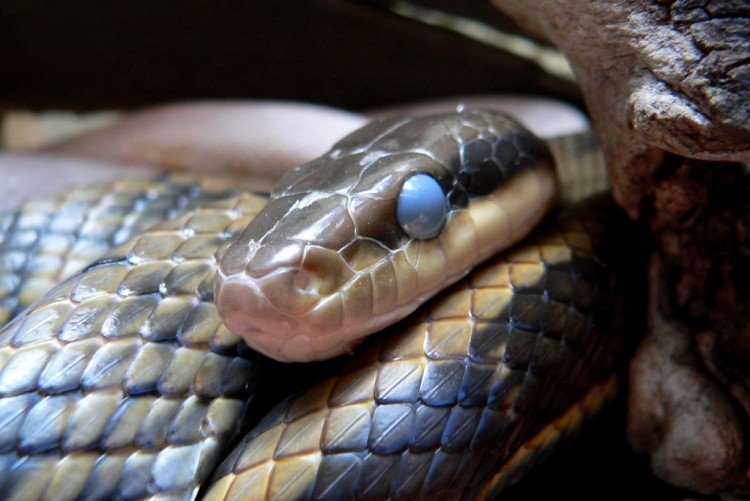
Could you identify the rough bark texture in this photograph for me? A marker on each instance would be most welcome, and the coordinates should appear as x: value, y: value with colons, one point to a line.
x: 694, y: 366
x: 656, y: 77
x: 683, y: 419
x: 668, y: 86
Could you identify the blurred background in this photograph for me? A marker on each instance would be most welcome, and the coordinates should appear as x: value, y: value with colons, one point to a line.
x: 352, y: 54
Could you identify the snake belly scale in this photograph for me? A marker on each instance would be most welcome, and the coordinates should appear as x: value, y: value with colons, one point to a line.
x: 123, y: 383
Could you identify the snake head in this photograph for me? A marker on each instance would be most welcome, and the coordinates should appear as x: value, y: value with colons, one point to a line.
x: 359, y: 238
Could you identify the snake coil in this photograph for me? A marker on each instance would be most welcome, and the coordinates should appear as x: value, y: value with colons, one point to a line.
x: 122, y: 382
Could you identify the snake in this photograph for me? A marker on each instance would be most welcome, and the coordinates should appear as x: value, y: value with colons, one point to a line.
x: 135, y: 377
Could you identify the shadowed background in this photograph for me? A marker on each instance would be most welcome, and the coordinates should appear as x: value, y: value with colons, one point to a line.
x: 349, y: 54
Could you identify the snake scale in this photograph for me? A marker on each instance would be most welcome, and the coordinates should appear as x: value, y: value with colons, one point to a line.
x: 122, y: 382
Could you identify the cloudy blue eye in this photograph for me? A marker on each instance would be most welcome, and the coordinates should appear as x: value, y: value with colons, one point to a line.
x: 421, y: 208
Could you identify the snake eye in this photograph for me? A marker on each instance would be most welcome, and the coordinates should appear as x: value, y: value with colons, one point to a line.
x: 421, y: 208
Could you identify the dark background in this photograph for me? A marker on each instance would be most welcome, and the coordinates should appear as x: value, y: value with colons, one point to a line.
x: 80, y: 56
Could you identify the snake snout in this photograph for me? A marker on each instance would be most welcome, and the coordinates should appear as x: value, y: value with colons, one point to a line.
x: 284, y: 300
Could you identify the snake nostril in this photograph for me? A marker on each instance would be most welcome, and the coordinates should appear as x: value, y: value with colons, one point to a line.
x: 317, y: 284
x: 304, y: 282
x: 321, y: 273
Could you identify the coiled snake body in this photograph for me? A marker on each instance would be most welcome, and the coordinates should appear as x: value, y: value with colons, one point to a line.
x: 123, y: 382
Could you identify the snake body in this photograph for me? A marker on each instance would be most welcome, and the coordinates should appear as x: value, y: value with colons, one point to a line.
x: 122, y: 382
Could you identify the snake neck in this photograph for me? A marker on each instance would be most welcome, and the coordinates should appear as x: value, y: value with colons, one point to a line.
x: 581, y: 168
